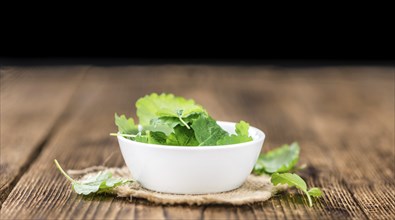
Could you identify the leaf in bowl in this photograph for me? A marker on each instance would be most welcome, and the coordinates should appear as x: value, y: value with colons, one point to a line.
x: 155, y: 106
x: 126, y: 125
x: 241, y: 135
x: 207, y: 131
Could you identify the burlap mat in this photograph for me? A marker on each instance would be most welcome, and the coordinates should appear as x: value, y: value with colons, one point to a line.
x: 255, y: 189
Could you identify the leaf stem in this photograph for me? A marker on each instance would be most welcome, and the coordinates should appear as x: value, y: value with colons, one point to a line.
x: 182, y: 121
x: 124, y: 135
x: 63, y: 172
x: 309, y: 198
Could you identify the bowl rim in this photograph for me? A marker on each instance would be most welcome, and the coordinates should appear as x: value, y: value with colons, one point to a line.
x: 261, y: 137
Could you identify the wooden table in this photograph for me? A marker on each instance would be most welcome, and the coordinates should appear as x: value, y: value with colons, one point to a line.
x: 342, y: 117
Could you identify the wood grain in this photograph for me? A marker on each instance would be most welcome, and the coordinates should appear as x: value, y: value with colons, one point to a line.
x: 343, y: 118
x: 32, y: 99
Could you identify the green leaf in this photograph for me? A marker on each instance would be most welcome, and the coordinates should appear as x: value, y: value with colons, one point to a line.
x: 163, y: 119
x: 167, y: 124
x: 115, y: 182
x: 207, y: 131
x: 101, y: 183
x: 156, y: 138
x: 294, y: 180
x: 279, y: 160
x: 240, y: 137
x: 158, y: 127
x: 233, y: 139
x: 315, y: 192
x: 242, y: 128
x: 101, y: 176
x: 85, y: 188
x: 182, y: 136
x: 289, y: 178
x: 154, y: 106
x: 141, y: 138
x: 125, y: 126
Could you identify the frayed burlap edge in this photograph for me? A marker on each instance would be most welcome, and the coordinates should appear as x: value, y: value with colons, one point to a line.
x: 255, y: 189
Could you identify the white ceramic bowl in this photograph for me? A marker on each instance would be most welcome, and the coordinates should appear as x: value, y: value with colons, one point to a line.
x: 192, y: 170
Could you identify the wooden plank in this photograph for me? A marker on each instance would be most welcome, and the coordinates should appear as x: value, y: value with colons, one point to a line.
x: 357, y: 130
x: 359, y: 114
x: 270, y: 105
x: 183, y: 212
x: 287, y: 105
x: 299, y: 117
x: 377, y: 200
x: 32, y: 99
x: 341, y: 123
x: 83, y: 141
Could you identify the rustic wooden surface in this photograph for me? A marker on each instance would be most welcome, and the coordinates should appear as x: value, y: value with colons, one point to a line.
x: 343, y: 118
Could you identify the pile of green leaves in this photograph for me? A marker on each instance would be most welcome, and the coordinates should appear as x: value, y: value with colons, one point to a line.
x: 103, y: 182
x: 169, y: 120
x: 279, y: 163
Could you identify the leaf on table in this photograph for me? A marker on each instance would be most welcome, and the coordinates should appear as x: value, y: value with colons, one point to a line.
x: 289, y: 178
x: 241, y: 135
x: 103, y: 182
x: 292, y: 179
x: 315, y: 192
x: 85, y: 188
x: 207, y: 131
x: 279, y: 160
